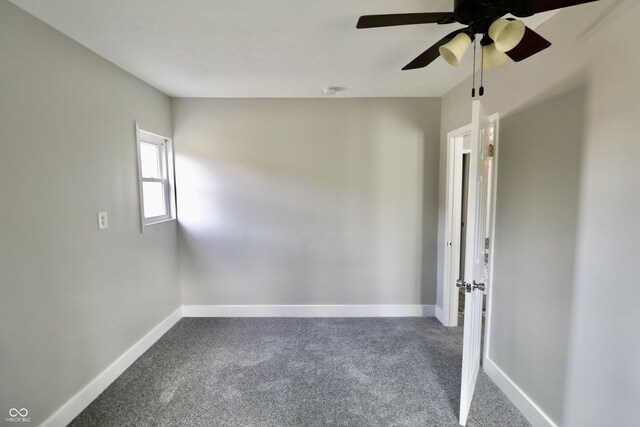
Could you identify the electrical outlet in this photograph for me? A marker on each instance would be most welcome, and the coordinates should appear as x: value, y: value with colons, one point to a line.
x: 102, y: 221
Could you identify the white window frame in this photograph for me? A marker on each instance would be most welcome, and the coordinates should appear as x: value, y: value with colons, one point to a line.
x: 167, y: 178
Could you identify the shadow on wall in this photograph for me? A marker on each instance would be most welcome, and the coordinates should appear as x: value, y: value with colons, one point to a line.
x: 537, y: 211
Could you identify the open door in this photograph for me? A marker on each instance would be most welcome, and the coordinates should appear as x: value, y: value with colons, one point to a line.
x: 476, y: 264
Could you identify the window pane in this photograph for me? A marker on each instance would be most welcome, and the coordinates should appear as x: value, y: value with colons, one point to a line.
x: 153, y: 198
x: 150, y: 160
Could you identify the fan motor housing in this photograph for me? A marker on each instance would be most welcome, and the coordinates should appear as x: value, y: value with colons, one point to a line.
x: 476, y: 13
x: 479, y: 14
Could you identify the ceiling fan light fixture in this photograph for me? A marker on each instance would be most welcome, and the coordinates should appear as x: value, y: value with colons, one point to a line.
x: 506, y: 33
x: 453, y: 51
x: 492, y: 57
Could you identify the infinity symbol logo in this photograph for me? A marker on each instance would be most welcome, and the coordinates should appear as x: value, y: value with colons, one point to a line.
x: 13, y: 412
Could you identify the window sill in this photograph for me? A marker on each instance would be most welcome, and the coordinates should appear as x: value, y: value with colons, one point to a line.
x: 159, y: 222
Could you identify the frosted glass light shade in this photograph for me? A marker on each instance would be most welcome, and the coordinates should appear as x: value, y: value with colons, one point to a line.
x: 453, y: 51
x: 492, y: 57
x: 506, y: 34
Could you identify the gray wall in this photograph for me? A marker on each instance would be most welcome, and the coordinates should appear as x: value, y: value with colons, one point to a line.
x: 325, y: 201
x: 72, y: 298
x: 565, y: 312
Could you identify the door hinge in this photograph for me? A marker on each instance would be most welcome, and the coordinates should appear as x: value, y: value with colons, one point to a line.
x: 486, y: 250
x: 490, y: 150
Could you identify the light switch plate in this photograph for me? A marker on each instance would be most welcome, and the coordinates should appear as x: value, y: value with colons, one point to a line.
x: 102, y: 221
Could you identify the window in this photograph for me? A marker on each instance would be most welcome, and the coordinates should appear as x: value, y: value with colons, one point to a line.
x: 155, y: 174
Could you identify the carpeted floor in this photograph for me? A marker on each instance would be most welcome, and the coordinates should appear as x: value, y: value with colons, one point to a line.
x: 299, y: 372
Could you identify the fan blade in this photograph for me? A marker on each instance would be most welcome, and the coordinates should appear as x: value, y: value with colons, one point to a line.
x: 372, y: 21
x: 430, y: 55
x: 530, y: 44
x: 538, y: 6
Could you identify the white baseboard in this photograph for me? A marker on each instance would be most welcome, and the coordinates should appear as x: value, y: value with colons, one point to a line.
x: 84, y: 397
x: 517, y: 396
x: 380, y: 310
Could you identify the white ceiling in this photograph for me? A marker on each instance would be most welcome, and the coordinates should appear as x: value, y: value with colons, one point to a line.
x: 259, y: 48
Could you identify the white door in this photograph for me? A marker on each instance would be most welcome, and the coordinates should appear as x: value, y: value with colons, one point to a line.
x: 476, y: 265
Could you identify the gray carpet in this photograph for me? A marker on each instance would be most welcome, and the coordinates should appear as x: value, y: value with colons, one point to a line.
x: 299, y: 372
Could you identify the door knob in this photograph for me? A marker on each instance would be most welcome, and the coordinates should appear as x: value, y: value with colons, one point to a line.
x: 478, y: 286
x: 463, y: 285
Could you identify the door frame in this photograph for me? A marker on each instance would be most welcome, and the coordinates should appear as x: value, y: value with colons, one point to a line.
x: 493, y: 193
x: 453, y: 218
x: 452, y: 238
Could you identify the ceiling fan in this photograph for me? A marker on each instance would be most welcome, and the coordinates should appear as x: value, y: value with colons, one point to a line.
x: 501, y: 38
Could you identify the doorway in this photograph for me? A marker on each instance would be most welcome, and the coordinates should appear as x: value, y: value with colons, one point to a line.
x: 458, y: 151
x: 457, y: 190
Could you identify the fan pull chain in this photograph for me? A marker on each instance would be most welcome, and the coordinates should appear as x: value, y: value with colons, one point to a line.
x: 473, y: 89
x: 482, y: 70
